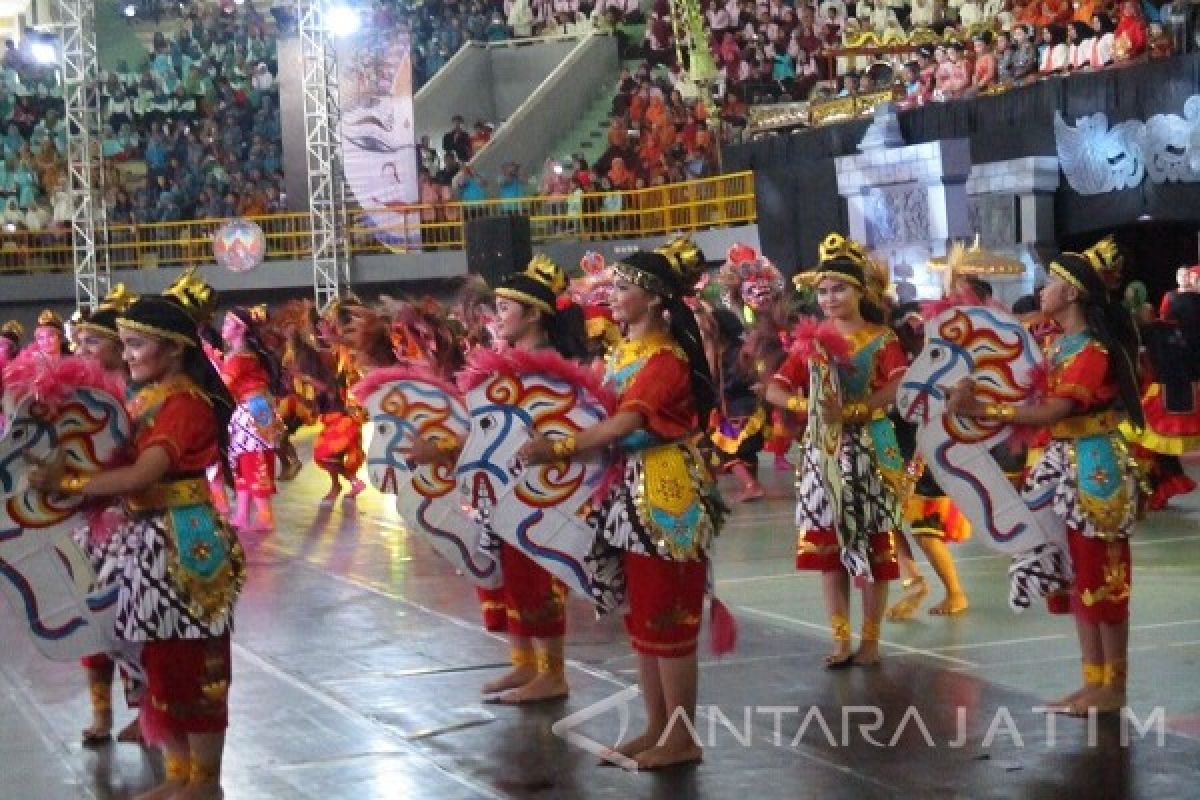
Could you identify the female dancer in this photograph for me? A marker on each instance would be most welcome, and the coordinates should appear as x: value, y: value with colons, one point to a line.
x: 528, y: 319
x: 99, y: 342
x: 870, y: 509
x: 179, y: 566
x: 49, y: 337
x: 644, y: 546
x: 1086, y: 466
x: 253, y: 376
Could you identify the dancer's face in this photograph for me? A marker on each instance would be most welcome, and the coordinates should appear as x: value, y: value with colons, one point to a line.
x: 514, y: 321
x: 630, y: 303
x: 103, y: 349
x: 48, y: 340
x: 149, y: 358
x: 233, y: 331
x: 1057, y: 296
x: 838, y: 299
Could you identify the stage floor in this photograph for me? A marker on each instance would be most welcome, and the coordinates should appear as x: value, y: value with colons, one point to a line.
x: 358, y: 658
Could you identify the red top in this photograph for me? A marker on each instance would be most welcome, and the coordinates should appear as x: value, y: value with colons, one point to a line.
x: 1079, y: 372
x: 661, y: 391
x: 244, y: 375
x: 177, y: 417
x: 882, y: 364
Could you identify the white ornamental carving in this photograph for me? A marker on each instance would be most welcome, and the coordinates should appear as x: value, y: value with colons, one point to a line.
x: 1096, y: 158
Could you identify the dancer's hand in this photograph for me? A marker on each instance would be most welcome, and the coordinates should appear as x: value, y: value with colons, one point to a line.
x: 961, y: 399
x: 425, y: 451
x: 46, y: 474
x: 538, y: 450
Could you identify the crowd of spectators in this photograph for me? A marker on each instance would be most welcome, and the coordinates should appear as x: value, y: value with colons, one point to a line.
x: 768, y: 50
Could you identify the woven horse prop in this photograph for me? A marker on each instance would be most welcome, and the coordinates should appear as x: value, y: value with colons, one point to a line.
x: 999, y: 355
x: 540, y: 510
x: 44, y: 573
x: 405, y: 403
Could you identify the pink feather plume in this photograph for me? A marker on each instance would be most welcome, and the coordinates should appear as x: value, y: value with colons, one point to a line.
x: 384, y: 375
x: 51, y: 380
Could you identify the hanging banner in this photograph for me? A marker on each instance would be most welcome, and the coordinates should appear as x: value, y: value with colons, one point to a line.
x: 379, y: 154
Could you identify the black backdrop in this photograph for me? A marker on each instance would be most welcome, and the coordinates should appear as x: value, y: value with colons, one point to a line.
x: 796, y: 183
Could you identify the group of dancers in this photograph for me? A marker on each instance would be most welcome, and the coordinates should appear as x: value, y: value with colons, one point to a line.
x: 706, y: 375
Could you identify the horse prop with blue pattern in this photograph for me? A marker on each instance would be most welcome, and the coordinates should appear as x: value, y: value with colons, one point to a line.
x: 405, y: 403
x: 44, y: 573
x: 1002, y: 359
x: 540, y: 510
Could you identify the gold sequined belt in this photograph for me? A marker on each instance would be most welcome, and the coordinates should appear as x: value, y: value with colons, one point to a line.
x: 1087, y: 425
x: 173, y: 494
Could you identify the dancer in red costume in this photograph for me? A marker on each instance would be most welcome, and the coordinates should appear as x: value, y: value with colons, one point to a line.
x: 1085, y: 466
x: 177, y: 601
x: 533, y: 602
x: 644, y: 549
x: 253, y: 375
x: 99, y: 341
x: 855, y: 540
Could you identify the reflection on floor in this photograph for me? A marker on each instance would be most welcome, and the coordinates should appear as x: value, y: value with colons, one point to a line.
x: 359, y: 656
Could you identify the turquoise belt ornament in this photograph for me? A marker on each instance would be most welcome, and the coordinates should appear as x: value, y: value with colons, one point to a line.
x: 1098, y: 466
x: 887, y: 450
x: 201, y: 548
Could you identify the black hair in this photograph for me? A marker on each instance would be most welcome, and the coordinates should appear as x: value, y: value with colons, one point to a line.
x: 1111, y: 323
x: 266, y: 357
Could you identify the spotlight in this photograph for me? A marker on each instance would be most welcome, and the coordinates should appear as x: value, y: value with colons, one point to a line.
x: 44, y: 53
x: 130, y: 10
x: 342, y: 21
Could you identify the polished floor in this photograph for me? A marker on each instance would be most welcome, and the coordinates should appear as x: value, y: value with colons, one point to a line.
x: 358, y: 659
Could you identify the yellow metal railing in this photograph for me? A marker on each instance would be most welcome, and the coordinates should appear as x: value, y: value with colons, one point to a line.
x: 722, y: 201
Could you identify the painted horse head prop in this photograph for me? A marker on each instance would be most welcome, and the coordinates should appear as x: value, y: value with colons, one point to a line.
x: 54, y: 406
x: 405, y: 403
x: 539, y: 510
x: 992, y: 349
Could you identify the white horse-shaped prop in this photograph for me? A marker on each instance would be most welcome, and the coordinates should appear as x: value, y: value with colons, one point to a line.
x: 998, y: 354
x: 44, y: 573
x: 540, y: 510
x: 405, y: 403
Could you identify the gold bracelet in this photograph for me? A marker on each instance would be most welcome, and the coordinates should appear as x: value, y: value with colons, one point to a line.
x: 447, y: 446
x: 73, y: 483
x: 564, y: 448
x: 999, y: 411
x: 798, y: 404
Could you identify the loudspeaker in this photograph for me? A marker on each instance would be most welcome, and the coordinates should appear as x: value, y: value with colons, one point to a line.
x: 497, y: 246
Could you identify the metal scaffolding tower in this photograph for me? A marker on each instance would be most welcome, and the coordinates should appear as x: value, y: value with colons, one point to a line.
x: 85, y: 168
x: 326, y: 187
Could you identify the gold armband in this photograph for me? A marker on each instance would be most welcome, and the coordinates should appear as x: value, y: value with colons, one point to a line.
x: 999, y: 411
x: 798, y: 404
x: 564, y: 448
x: 855, y: 413
x: 447, y: 446
x: 73, y: 483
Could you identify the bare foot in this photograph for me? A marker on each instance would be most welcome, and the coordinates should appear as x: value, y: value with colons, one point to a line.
x: 840, y: 658
x: 867, y: 655
x: 1101, y: 700
x: 751, y: 492
x: 546, y: 686
x: 915, y: 591
x: 1065, y: 705
x: 953, y: 604
x: 631, y: 747
x: 132, y: 733
x: 167, y: 790
x: 513, y: 679
x: 669, y: 756
x: 205, y: 790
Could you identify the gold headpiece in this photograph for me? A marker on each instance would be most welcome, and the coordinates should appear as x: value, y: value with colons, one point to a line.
x: 12, y: 329
x: 197, y: 297
x: 1106, y: 258
x: 686, y: 260
x: 538, y: 285
x: 49, y: 319
x: 118, y: 299
x: 845, y: 259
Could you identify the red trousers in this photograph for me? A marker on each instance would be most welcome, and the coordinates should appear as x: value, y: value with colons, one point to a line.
x: 818, y: 550
x: 666, y: 604
x: 187, y: 688
x: 255, y: 473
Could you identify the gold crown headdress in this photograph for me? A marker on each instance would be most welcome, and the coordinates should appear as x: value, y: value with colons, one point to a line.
x: 13, y: 330
x: 686, y: 260
x: 49, y: 319
x: 845, y: 259
x: 1106, y: 258
x: 197, y: 297
x: 538, y: 285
